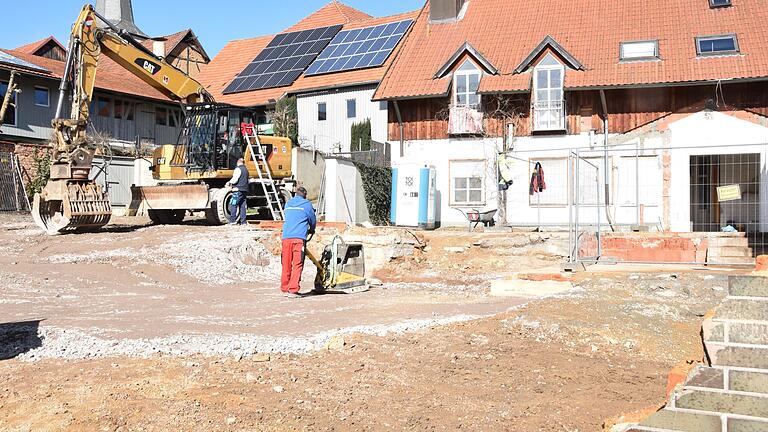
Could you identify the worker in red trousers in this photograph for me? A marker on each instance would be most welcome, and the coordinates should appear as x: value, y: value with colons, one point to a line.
x: 300, y: 221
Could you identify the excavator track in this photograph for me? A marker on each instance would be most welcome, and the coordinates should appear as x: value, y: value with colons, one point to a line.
x: 69, y: 206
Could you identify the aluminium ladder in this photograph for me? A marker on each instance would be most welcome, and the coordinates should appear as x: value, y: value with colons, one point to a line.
x: 250, y: 134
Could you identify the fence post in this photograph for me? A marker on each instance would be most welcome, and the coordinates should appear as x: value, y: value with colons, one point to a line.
x: 577, y: 198
x: 599, y: 221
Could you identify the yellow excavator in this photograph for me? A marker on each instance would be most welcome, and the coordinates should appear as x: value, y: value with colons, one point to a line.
x: 192, y: 173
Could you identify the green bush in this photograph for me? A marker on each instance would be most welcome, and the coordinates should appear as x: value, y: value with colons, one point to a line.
x: 361, y: 136
x: 43, y: 169
x: 377, y: 187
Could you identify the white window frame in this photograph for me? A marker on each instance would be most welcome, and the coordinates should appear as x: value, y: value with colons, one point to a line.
x: 47, y: 94
x: 14, y: 101
x: 549, y: 106
x: 478, y: 173
x: 354, y: 107
x: 459, y: 74
x: 653, y: 56
x: 700, y: 39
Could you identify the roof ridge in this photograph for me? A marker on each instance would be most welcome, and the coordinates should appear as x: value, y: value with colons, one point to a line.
x: 337, y: 4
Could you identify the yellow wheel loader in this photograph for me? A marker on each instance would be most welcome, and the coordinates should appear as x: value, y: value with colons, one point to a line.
x: 191, y: 173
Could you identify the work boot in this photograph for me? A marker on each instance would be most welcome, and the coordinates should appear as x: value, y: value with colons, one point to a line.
x: 292, y: 295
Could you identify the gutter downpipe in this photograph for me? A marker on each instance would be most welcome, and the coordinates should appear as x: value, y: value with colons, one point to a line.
x: 400, y: 125
x: 606, y: 172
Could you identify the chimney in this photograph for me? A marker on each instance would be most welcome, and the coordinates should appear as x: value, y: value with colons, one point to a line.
x: 158, y: 48
x: 445, y: 10
x: 120, y: 14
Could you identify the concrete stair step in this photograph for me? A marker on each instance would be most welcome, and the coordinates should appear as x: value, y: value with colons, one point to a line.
x: 748, y: 261
x: 740, y: 241
x: 741, y: 333
x: 741, y: 381
x: 730, y: 251
x: 743, y: 309
x: 752, y: 358
x: 683, y: 421
x: 717, y: 403
x: 748, y: 286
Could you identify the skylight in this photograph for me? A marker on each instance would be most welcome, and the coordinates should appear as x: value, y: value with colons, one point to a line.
x: 719, y: 3
x: 639, y: 50
x: 716, y: 45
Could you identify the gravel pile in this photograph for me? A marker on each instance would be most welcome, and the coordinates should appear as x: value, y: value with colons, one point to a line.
x: 219, y: 257
x: 52, y: 342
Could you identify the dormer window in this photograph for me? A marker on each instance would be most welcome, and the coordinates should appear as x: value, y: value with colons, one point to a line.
x: 548, y: 105
x: 466, y: 82
x: 719, y: 3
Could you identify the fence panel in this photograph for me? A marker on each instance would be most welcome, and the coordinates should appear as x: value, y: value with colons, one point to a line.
x: 13, y: 196
x: 644, y: 204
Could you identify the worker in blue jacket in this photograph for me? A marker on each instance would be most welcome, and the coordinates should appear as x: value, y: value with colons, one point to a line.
x: 300, y: 221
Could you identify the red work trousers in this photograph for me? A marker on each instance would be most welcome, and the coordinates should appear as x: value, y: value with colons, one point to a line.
x: 293, y: 265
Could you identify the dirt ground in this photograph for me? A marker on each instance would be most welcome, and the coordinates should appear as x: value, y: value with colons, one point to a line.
x: 139, y: 333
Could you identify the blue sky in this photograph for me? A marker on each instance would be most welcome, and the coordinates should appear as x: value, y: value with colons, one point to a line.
x: 215, y: 22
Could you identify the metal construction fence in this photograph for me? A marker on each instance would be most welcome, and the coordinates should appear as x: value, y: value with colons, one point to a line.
x: 649, y: 204
x: 13, y: 195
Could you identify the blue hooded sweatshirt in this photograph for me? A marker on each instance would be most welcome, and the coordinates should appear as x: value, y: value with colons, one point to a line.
x: 299, y: 218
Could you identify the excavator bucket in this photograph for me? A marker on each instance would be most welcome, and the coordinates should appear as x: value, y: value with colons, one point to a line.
x: 71, y: 206
x: 170, y: 197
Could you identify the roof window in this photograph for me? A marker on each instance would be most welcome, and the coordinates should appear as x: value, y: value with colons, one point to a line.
x: 717, y: 45
x: 719, y: 3
x: 639, y: 50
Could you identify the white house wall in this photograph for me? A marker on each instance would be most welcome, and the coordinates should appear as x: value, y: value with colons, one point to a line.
x: 335, y: 132
x: 440, y: 153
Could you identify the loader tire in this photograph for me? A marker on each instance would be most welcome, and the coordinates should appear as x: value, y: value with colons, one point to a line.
x: 167, y: 217
x: 218, y: 213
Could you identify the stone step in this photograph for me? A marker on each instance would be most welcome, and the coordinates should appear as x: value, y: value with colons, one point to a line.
x: 740, y: 241
x: 683, y: 421
x: 752, y: 358
x: 742, y: 309
x: 729, y: 251
x: 748, y: 286
x: 717, y: 402
x: 747, y: 261
x: 741, y: 333
x: 741, y: 381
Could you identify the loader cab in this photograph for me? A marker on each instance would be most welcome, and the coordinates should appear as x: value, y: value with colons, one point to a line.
x: 211, y: 138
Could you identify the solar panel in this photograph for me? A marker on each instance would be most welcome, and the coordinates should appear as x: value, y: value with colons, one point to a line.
x: 283, y: 60
x: 359, y: 48
x: 8, y: 59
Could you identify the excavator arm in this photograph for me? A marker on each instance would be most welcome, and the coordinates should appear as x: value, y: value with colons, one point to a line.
x: 70, y: 201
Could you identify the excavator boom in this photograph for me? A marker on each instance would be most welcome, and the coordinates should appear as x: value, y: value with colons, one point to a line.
x: 71, y: 201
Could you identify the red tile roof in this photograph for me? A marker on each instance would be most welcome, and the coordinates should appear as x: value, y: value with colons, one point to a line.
x: 331, y: 14
x: 171, y: 41
x: 506, y: 32
x: 109, y: 77
x: 236, y: 55
x: 33, y: 47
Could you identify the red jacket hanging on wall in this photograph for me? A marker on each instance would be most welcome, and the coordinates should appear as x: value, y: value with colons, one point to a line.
x: 537, y: 180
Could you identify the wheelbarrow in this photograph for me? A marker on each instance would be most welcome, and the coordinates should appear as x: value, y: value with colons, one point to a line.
x: 476, y: 217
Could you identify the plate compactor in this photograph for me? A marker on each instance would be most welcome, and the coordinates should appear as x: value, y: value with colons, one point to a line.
x: 340, y: 269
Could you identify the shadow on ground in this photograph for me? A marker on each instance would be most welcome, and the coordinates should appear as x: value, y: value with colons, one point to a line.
x: 18, y: 338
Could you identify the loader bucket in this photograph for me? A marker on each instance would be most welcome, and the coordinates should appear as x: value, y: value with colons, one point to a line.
x: 71, y: 206
x: 171, y: 197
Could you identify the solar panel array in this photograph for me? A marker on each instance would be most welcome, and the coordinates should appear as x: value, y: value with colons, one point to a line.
x: 8, y: 59
x: 359, y: 48
x: 283, y: 60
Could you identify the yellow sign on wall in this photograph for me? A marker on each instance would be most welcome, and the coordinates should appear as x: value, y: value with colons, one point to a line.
x: 729, y: 193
